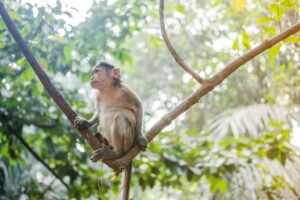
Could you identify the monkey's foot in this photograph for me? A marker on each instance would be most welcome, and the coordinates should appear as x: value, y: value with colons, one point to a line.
x: 103, y: 153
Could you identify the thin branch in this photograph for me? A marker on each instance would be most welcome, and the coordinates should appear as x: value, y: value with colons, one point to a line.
x: 171, y: 49
x: 38, y: 158
x: 206, y: 88
x: 40, y: 124
x: 32, y: 34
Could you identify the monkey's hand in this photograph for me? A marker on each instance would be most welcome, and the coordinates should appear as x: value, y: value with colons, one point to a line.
x: 142, y: 142
x: 81, y: 123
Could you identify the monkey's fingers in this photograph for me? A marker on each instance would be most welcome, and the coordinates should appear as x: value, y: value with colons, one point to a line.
x: 143, y: 143
x: 95, y: 157
x: 98, y: 154
x: 99, y: 137
x: 105, y: 141
x: 81, y: 123
x: 143, y: 147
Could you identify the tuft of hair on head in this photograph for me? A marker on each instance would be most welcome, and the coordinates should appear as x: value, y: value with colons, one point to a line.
x: 105, y: 65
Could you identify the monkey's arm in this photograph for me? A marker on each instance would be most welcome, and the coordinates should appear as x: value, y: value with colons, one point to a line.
x: 94, y: 119
x: 141, y: 139
x: 81, y: 123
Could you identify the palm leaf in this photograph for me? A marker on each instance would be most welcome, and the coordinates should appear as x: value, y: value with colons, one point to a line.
x: 251, y: 120
x: 249, y: 181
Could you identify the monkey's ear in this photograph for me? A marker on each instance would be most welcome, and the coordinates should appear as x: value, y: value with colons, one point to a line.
x: 116, y: 72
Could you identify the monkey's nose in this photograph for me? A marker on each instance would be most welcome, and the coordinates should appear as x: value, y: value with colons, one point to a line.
x: 92, y: 81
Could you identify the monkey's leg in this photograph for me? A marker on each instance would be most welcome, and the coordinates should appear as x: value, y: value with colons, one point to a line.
x: 122, y: 134
x: 102, y: 140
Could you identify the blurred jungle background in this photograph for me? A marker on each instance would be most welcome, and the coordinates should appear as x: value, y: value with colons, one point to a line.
x: 241, y: 141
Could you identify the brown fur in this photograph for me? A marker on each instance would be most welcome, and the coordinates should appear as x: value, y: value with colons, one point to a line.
x: 119, y: 118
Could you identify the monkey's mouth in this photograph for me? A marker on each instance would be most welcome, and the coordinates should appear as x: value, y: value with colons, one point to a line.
x: 93, y: 81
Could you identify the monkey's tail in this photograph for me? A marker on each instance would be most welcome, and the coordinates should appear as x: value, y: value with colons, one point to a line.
x: 126, y: 181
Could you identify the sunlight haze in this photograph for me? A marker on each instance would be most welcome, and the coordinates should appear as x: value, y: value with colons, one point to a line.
x: 81, y: 6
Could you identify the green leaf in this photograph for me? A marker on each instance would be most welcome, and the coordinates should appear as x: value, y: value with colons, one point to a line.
x: 289, y: 3
x: 217, y: 183
x: 277, y: 11
x: 68, y: 52
x: 68, y: 14
x: 2, y: 25
x: 291, y: 67
x: 273, y: 52
x: 282, y: 158
x: 235, y: 44
x: 271, y: 30
x: 14, y: 15
x: 239, y: 5
x: 155, y: 147
x: 156, y: 41
x: 245, y: 40
x: 23, y: 62
x: 264, y: 20
x: 216, y: 3
x: 261, y: 153
x: 181, y: 8
x: 40, y: 87
x: 172, y: 6
x: 272, y: 153
x: 222, y: 186
x: 292, y: 39
x: 275, y: 123
x: 85, y: 77
x: 56, y: 38
x: 27, y: 75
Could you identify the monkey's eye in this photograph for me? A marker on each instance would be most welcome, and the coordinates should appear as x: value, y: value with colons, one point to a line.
x: 94, y: 71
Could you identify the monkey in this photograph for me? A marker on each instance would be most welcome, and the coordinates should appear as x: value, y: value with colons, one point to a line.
x: 118, y: 114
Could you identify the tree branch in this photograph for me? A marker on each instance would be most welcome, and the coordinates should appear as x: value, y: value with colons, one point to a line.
x: 40, y: 124
x: 32, y: 34
x: 59, y: 100
x: 206, y: 87
x: 171, y: 49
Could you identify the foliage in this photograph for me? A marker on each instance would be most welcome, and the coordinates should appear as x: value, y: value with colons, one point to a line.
x: 206, y: 153
x: 251, y: 120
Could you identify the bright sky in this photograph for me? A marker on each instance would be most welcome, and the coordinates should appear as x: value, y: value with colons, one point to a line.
x: 295, y: 140
x: 81, y: 5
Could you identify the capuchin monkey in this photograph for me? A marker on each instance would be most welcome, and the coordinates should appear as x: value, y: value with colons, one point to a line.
x: 118, y: 114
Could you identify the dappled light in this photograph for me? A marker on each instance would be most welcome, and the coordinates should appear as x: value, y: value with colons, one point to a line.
x: 218, y: 81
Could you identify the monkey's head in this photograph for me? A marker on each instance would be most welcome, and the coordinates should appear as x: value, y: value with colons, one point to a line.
x: 104, y: 76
